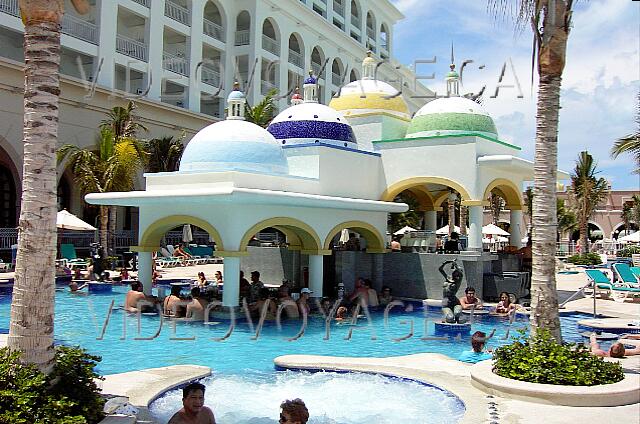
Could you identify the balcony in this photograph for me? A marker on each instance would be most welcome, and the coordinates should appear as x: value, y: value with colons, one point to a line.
x: 295, y: 58
x: 214, y: 30
x: 355, y: 21
x: 336, y: 79
x: 270, y: 45
x: 316, y: 69
x: 131, y: 48
x: 371, y: 34
x: 338, y: 8
x: 242, y: 37
x: 267, y: 86
x: 174, y: 63
x: 10, y: 7
x: 210, y: 76
x: 177, y: 12
x: 145, y: 3
x: 80, y: 29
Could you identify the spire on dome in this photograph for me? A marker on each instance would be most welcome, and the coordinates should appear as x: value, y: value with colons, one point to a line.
x: 369, y: 66
x: 296, y: 99
x: 453, y: 79
x: 310, y: 88
x: 236, y: 102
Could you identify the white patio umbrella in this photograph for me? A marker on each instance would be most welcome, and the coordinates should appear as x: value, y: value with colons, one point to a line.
x: 403, y: 230
x: 445, y: 230
x: 344, y: 236
x: 68, y: 221
x: 631, y: 238
x: 494, y: 230
x: 187, y: 235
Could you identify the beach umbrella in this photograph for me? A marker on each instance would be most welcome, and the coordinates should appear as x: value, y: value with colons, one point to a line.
x: 494, y: 230
x: 631, y: 238
x: 344, y: 236
x: 68, y: 221
x: 187, y: 235
x: 445, y: 230
x: 403, y: 230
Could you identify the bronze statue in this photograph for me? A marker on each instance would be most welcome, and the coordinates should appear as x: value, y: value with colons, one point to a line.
x: 451, y: 308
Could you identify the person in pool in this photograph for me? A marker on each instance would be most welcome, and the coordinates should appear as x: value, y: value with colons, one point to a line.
x: 293, y: 412
x: 193, y: 410
x: 135, y: 295
x: 477, y: 352
x: 505, y: 306
x: 73, y: 286
x: 470, y: 300
x: 617, y: 350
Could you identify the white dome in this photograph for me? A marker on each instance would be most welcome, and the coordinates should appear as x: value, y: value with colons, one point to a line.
x: 452, y: 105
x: 234, y: 145
x: 369, y: 86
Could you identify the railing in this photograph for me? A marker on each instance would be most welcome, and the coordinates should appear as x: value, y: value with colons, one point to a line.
x: 267, y: 86
x: 316, y: 69
x: 10, y: 7
x: 371, y: 34
x: 177, y: 12
x: 79, y: 28
x: 242, y: 37
x: 270, y: 45
x: 295, y: 58
x: 214, y: 30
x: 145, y: 3
x: 338, y: 8
x: 176, y: 64
x: 336, y: 79
x: 210, y: 76
x: 131, y: 48
x: 355, y: 21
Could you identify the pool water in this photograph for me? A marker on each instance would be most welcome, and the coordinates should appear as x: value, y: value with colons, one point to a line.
x: 79, y: 321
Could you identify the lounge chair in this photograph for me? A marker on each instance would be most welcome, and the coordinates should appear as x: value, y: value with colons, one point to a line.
x: 625, y: 276
x: 636, y: 271
x: 601, y: 282
x: 68, y: 252
x: 165, y: 259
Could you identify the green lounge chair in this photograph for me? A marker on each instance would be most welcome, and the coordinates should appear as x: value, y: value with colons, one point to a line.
x: 68, y: 252
x: 636, y: 271
x: 625, y: 275
x: 601, y: 282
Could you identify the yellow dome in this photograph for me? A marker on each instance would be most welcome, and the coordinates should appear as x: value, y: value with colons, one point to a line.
x: 378, y: 97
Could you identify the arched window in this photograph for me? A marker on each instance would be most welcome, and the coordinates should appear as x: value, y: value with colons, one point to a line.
x: 243, y: 28
x: 213, y: 24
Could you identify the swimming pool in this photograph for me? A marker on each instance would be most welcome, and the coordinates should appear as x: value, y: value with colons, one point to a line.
x: 80, y: 319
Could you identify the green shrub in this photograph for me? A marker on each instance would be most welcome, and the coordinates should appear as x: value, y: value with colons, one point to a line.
x: 68, y: 395
x: 585, y: 259
x: 628, y: 251
x: 542, y: 360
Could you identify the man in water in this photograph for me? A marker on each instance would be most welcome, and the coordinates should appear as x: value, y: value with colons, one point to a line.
x: 135, y: 295
x: 293, y: 412
x: 470, y: 300
x: 617, y: 350
x: 193, y: 410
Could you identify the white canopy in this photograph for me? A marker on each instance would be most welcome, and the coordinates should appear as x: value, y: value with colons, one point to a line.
x: 69, y: 221
x: 497, y: 239
x: 631, y: 238
x: 187, y: 235
x: 344, y: 235
x: 405, y: 229
x: 445, y: 230
x: 494, y: 230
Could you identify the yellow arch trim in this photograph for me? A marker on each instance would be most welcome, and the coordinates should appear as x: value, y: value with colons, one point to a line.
x: 375, y: 241
x: 155, y: 231
x: 508, y: 190
x: 393, y: 190
x: 292, y: 238
x: 424, y: 198
x: 304, y: 235
x: 438, y: 201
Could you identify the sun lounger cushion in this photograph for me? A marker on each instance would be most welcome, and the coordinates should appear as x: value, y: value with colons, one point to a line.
x: 624, y: 272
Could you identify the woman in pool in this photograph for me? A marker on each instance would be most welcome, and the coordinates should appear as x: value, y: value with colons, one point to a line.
x: 477, y: 352
x: 505, y: 306
x: 172, y: 307
x: 218, y: 277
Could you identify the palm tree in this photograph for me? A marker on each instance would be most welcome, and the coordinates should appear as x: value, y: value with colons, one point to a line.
x: 630, y: 143
x: 635, y: 209
x: 496, y: 203
x: 587, y: 192
x: 31, y: 325
x: 410, y: 218
x: 627, y: 216
x: 111, y: 166
x: 551, y: 22
x: 163, y: 154
x: 262, y: 113
x: 566, y: 218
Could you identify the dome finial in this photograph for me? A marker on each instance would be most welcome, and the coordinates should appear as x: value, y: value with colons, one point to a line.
x: 310, y: 88
x: 296, y: 99
x: 452, y: 79
x: 369, y: 66
x: 235, y: 103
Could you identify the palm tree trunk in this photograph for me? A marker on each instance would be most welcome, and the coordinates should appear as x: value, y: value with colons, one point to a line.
x: 451, y: 208
x: 31, y: 326
x: 113, y: 215
x: 104, y: 225
x: 463, y: 220
x: 584, y: 241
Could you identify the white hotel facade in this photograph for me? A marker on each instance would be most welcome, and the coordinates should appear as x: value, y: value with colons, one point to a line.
x: 179, y: 58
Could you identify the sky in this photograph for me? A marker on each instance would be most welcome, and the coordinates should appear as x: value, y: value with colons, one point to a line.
x: 600, y: 83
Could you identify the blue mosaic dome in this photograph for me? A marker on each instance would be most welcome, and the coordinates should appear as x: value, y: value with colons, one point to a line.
x: 312, y: 123
x: 234, y: 145
x: 236, y: 94
x: 310, y: 80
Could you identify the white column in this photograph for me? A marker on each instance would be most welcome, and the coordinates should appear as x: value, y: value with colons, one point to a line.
x: 283, y: 71
x: 155, y: 41
x: 430, y: 220
x: 515, y: 228
x: 107, y: 42
x: 195, y: 53
x: 475, y: 228
x: 316, y: 269
x: 145, y: 271
x: 231, y: 273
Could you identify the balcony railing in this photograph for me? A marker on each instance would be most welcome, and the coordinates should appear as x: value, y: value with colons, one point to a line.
x: 270, y: 45
x: 210, y: 76
x: 243, y: 37
x: 131, y: 48
x: 316, y: 69
x: 267, y: 86
x: 355, y: 21
x: 295, y: 58
x: 214, y: 30
x: 177, y: 12
x: 371, y: 33
x: 145, y: 3
x: 176, y: 64
x: 79, y: 28
x: 10, y: 7
x: 338, y: 8
x: 336, y: 79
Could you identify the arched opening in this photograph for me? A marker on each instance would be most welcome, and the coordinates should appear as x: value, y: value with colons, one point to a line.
x: 152, y: 236
x: 361, y: 236
x: 508, y: 191
x: 299, y: 236
x: 270, y: 37
x: 594, y: 233
x: 384, y: 37
x: 296, y: 50
x: 355, y: 14
x: 337, y: 71
x: 353, y: 76
x: 317, y: 60
x: 243, y: 29
x: 371, y: 27
x: 8, y: 197
x: 64, y: 193
x: 621, y: 230
x: 214, y: 21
